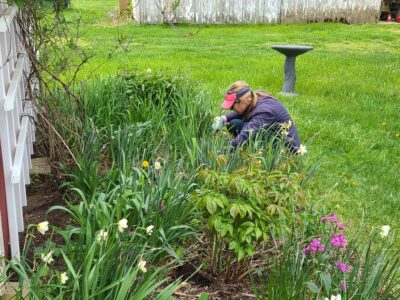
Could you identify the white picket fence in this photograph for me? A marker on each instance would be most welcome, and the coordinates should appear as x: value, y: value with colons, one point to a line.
x: 17, y: 130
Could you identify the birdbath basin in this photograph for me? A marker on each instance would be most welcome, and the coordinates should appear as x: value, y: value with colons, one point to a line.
x: 291, y: 52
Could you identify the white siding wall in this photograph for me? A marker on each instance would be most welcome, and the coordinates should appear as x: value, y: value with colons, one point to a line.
x: 256, y: 11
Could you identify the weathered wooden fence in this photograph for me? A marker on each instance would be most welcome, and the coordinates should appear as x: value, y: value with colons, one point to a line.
x: 255, y: 11
x: 16, y: 125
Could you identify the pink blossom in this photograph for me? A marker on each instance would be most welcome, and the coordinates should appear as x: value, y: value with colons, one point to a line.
x: 330, y: 218
x: 339, y: 240
x: 314, y: 247
x: 333, y: 218
x: 341, y: 226
x: 324, y: 219
x: 342, y: 267
x: 343, y: 286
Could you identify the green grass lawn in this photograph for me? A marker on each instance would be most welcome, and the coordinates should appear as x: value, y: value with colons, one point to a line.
x: 347, y: 114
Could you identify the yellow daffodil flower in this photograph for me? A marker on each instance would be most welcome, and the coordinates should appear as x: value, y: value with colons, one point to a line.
x: 43, y: 227
x: 63, y: 278
x: 122, y: 224
x: 384, y: 231
x: 101, y: 236
x: 142, y: 266
x: 149, y: 229
x: 48, y: 258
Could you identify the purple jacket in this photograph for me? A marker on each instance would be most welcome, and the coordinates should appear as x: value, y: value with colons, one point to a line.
x: 268, y: 113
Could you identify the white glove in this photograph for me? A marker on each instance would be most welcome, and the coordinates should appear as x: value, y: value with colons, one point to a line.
x: 218, y: 123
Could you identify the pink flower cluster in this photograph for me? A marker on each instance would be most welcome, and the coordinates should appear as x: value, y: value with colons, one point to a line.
x: 339, y: 240
x: 314, y: 247
x: 342, y: 267
x: 330, y: 218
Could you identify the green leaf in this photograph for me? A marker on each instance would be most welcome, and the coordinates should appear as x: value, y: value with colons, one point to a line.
x: 219, y: 202
x: 312, y: 287
x: 203, y: 296
x: 218, y: 225
x: 43, y: 271
x: 229, y: 228
x: 250, y: 250
x: 233, y: 245
x: 249, y: 230
x: 241, y: 254
x: 326, y: 280
x: 223, y: 231
x: 234, y: 210
x: 258, y: 233
x: 211, y: 206
x: 127, y: 282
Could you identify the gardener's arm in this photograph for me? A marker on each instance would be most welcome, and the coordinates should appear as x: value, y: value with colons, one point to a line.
x: 232, y: 115
x: 260, y: 120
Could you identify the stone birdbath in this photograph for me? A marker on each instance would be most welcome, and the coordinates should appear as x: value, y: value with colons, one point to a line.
x: 291, y: 52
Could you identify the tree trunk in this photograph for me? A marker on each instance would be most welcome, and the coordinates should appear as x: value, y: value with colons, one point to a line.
x: 123, y: 5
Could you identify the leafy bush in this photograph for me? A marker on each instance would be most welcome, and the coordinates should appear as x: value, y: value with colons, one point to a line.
x: 163, y: 113
x: 246, y: 206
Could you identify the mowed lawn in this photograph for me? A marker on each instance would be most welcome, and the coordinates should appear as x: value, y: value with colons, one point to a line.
x: 348, y: 113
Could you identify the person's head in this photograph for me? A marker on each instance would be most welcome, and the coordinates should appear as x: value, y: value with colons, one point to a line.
x: 240, y: 98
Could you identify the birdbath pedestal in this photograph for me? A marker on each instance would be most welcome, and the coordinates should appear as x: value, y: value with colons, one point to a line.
x: 291, y: 52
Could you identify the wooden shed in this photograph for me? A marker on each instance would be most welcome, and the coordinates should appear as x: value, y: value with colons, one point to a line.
x: 255, y: 11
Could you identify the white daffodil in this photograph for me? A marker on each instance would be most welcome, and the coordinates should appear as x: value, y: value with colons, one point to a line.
x: 63, y: 278
x: 122, y: 224
x: 43, y: 227
x: 302, y: 150
x: 384, y: 231
x: 149, y: 229
x: 48, y: 258
x: 142, y: 266
x: 101, y: 236
x: 333, y: 297
x: 157, y: 165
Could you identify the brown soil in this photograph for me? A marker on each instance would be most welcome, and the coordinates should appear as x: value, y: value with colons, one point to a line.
x: 198, y: 282
x: 42, y: 194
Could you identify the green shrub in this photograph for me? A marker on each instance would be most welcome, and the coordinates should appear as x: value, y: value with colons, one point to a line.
x: 158, y: 112
x: 246, y: 206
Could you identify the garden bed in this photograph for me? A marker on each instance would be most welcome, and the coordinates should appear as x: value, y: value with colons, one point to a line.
x: 174, y: 212
x: 43, y: 193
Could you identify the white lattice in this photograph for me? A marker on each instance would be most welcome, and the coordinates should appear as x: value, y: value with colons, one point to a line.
x: 16, y: 122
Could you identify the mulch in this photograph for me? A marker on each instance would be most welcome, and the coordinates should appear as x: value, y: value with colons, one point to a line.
x: 198, y: 282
